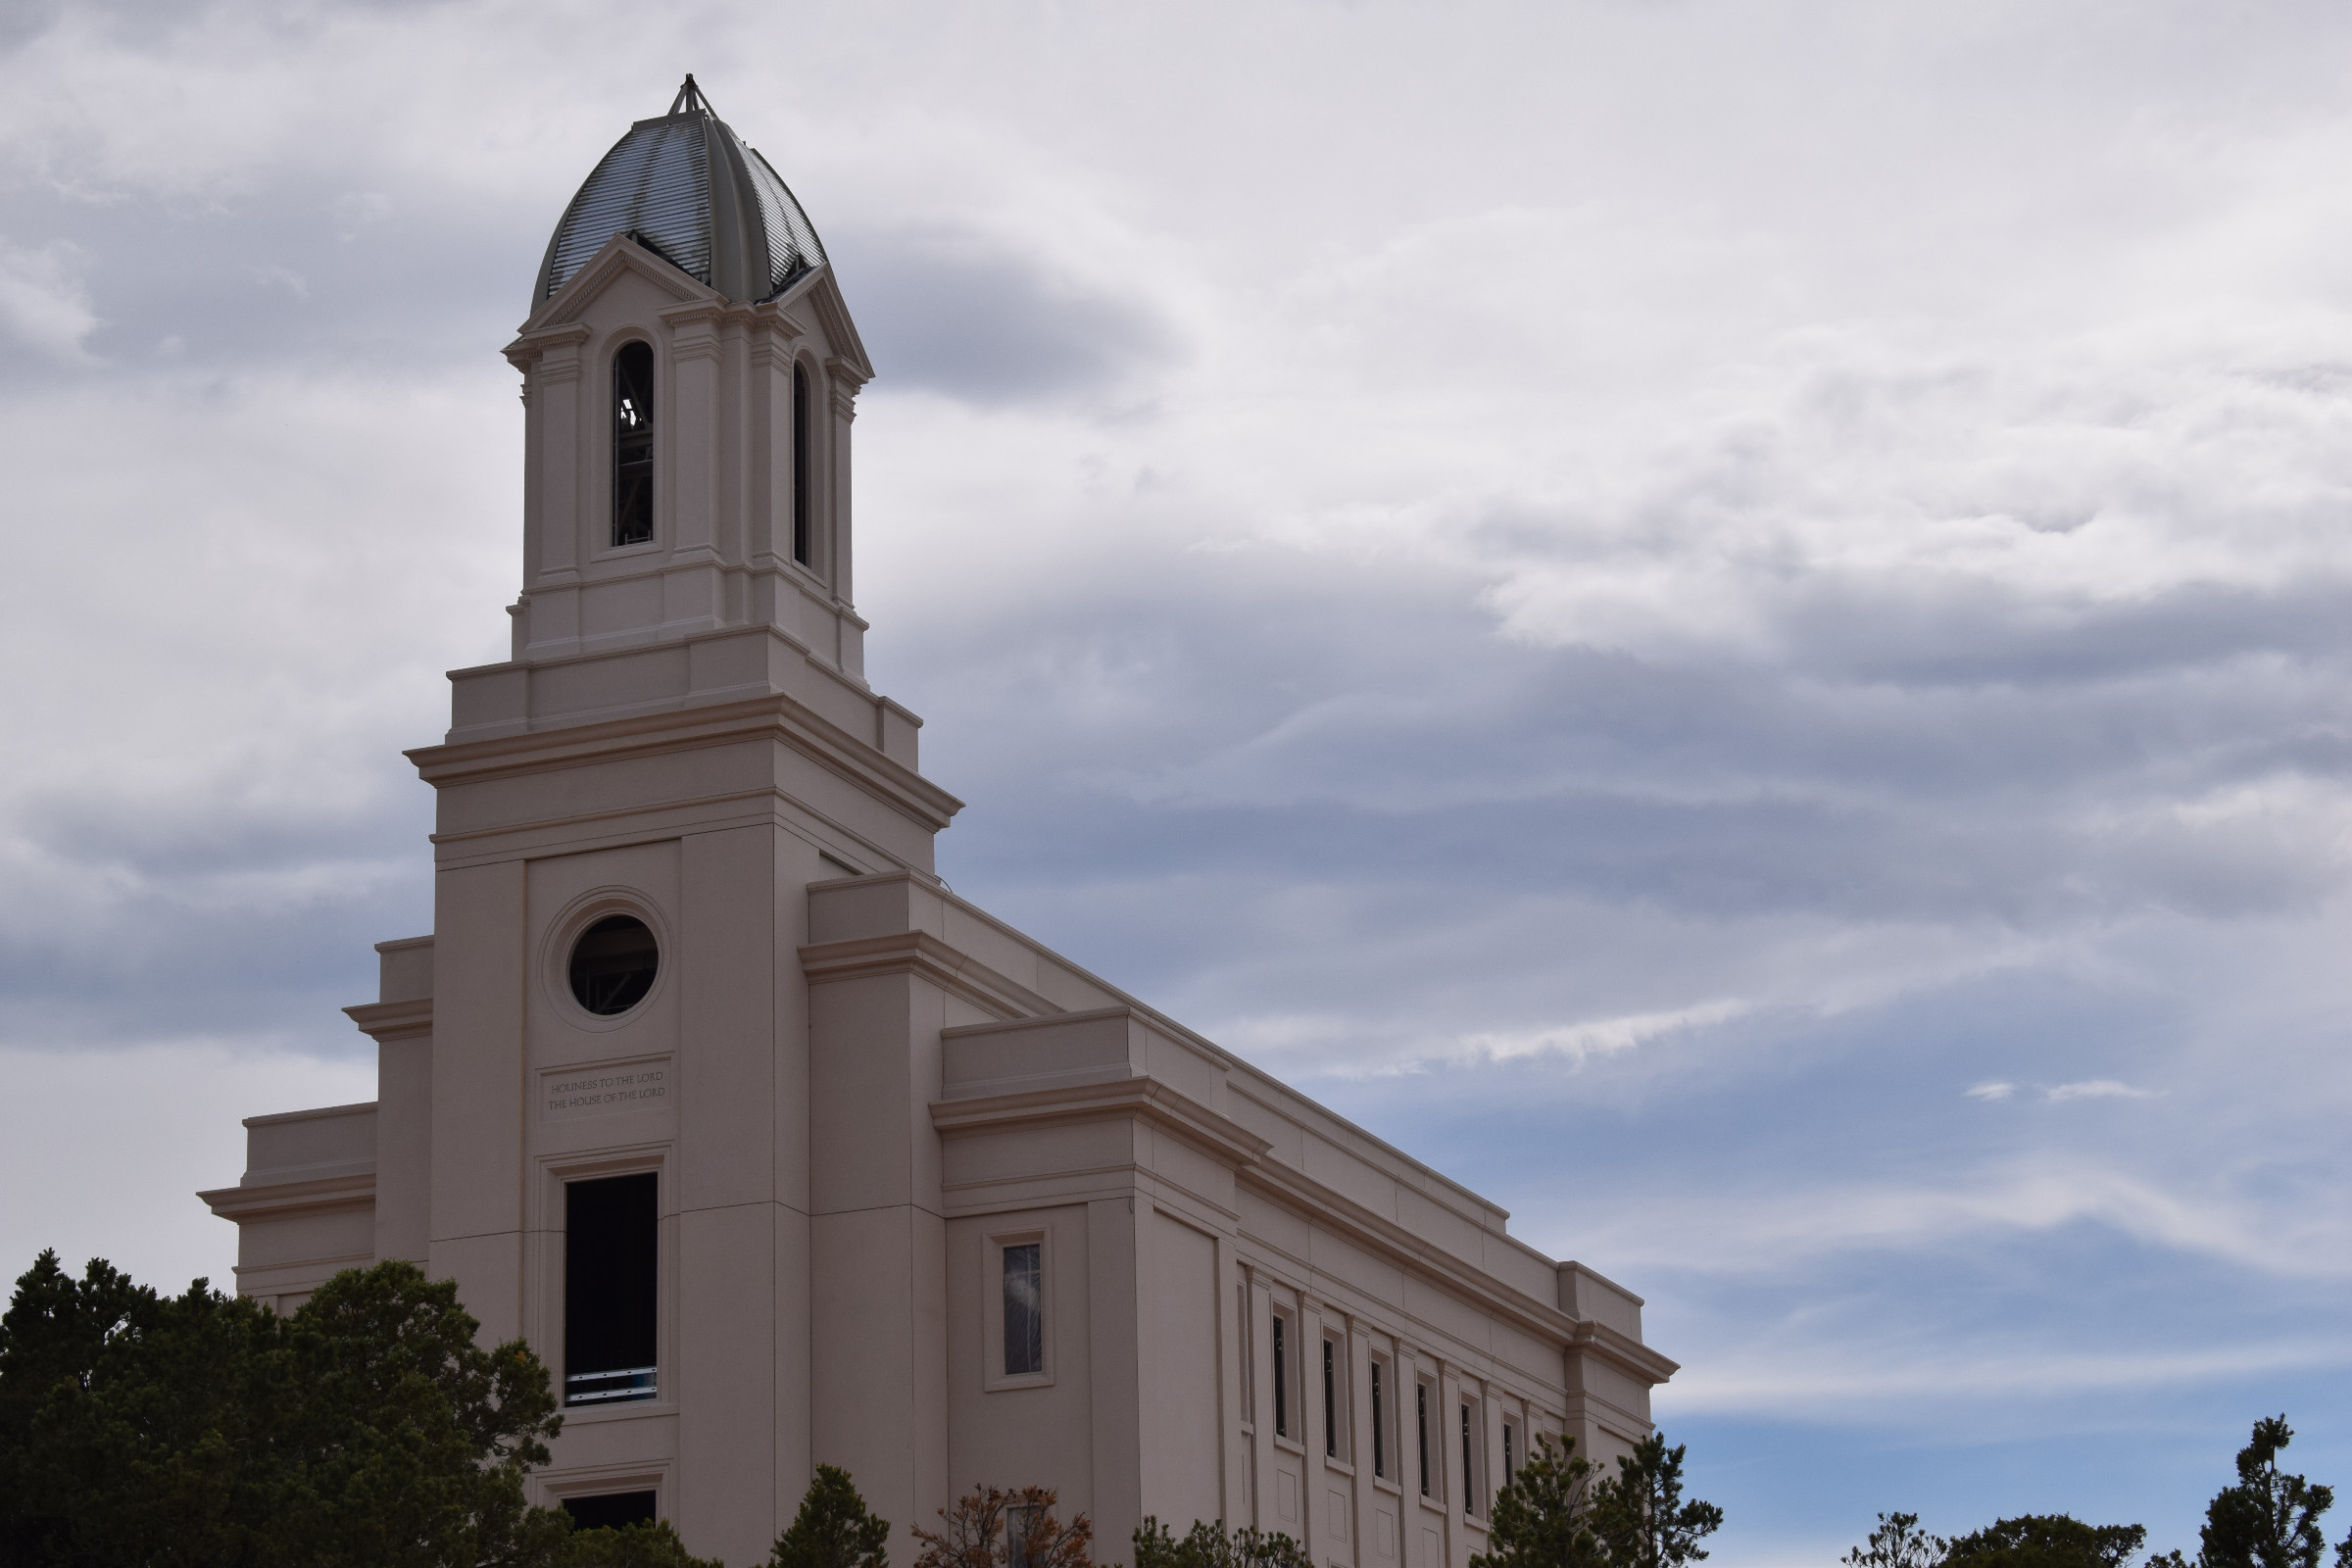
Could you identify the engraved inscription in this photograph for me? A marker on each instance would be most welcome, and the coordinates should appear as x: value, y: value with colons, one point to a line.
x: 603, y: 1091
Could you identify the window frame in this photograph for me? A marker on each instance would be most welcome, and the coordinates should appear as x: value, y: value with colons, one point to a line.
x: 1290, y: 1379
x: 613, y: 543
x: 800, y: 434
x: 1383, y: 1391
x: 1433, y: 1477
x: 993, y: 1245
x: 656, y: 1394
x: 1473, y: 1434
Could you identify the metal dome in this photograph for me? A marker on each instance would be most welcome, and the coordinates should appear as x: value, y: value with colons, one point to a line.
x: 691, y: 191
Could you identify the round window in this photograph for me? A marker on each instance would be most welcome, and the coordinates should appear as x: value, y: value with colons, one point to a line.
x: 613, y: 965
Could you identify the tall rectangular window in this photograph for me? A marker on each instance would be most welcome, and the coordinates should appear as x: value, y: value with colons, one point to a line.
x: 1282, y: 1382
x: 1509, y: 1466
x: 1421, y: 1430
x: 1331, y: 1402
x: 1020, y: 1523
x: 1469, y: 1482
x: 1379, y: 1430
x: 800, y: 477
x: 611, y: 1279
x: 1024, y: 1309
x: 632, y: 444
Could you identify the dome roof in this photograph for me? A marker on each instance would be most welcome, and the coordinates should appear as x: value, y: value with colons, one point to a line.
x: 691, y: 191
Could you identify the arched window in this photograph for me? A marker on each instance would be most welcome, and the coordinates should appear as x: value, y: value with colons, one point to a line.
x: 632, y: 444
x: 800, y: 477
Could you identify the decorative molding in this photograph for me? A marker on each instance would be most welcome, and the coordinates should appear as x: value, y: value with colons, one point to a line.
x: 919, y: 953
x: 320, y: 1194
x: 393, y: 1021
x: 1144, y: 1100
x: 533, y: 346
x: 679, y: 729
x: 1386, y: 1238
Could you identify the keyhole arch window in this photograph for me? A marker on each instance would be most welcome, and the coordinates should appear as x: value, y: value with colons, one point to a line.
x: 632, y: 444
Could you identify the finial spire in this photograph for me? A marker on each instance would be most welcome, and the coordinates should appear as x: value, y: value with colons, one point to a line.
x: 690, y: 99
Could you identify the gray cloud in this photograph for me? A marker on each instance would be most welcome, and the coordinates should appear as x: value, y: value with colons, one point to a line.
x: 964, y: 314
x: 1641, y: 596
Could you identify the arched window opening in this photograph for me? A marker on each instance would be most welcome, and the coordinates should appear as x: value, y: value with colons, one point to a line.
x: 800, y: 463
x: 633, y: 444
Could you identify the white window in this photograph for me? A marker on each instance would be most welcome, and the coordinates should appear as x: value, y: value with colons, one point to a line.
x: 1470, y: 1486
x: 1017, y: 1310
x: 1334, y: 1399
x: 1282, y: 1342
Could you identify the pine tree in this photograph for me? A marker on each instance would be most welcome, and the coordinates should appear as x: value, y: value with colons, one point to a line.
x: 834, y: 1528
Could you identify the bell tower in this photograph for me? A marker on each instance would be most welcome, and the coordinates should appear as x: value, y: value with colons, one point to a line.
x: 595, y: 1102
x: 690, y: 376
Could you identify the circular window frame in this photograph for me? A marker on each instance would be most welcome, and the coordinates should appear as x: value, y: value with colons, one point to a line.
x: 565, y: 933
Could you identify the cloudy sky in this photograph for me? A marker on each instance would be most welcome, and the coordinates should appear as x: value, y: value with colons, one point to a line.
x: 1732, y: 620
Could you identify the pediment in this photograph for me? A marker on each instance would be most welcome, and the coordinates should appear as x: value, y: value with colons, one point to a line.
x: 620, y: 258
x: 823, y: 298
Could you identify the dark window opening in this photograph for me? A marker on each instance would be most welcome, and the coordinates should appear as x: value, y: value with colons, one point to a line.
x: 610, y: 1510
x: 800, y: 463
x: 1468, y: 1485
x: 1330, y: 1405
x: 613, y: 965
x: 611, y: 1247
x: 1380, y: 1435
x: 1421, y: 1430
x: 633, y: 444
x: 1024, y: 1309
x: 1509, y: 1471
x: 1282, y: 1383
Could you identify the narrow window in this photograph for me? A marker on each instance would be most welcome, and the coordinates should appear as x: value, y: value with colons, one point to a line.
x: 1469, y: 1488
x: 1330, y: 1405
x: 1024, y: 1309
x: 1248, y: 1359
x: 610, y: 1510
x: 1379, y: 1430
x: 610, y: 1273
x: 632, y: 444
x: 1282, y: 1383
x: 1020, y: 1521
x: 1509, y: 1470
x: 800, y: 462
x: 1421, y: 1430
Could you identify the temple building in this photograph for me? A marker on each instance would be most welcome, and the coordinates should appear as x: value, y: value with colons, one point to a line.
x: 777, y: 1151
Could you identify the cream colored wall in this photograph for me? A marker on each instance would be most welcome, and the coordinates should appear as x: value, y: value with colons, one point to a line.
x: 864, y: 1080
x: 1192, y: 1178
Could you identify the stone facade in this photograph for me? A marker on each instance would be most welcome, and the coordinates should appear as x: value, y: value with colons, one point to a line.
x: 860, y: 1098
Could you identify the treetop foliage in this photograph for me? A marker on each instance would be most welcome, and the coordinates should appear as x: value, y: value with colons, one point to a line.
x: 368, y: 1428
x: 1899, y: 1542
x: 1640, y: 1514
x: 643, y: 1545
x: 1555, y: 1515
x: 1544, y: 1518
x: 992, y: 1527
x: 1209, y: 1545
x: 834, y: 1528
x: 2270, y: 1519
x: 2046, y: 1541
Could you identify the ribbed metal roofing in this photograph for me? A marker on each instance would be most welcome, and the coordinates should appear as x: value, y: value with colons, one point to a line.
x: 691, y: 190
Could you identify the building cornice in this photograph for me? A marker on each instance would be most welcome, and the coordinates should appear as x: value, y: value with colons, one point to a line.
x: 919, y: 953
x: 320, y: 1194
x: 1385, y: 1238
x: 1144, y: 1100
x: 777, y: 714
x: 387, y: 1021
